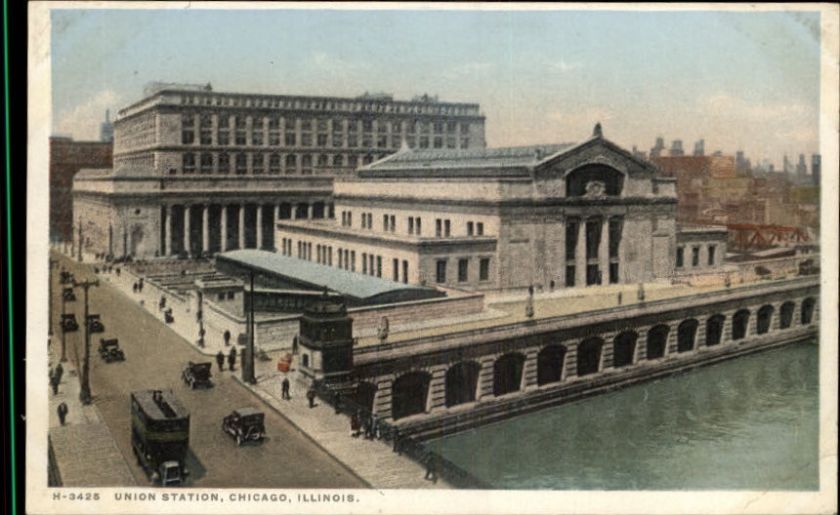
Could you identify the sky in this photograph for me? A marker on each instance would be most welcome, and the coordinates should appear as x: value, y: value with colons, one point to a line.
x: 745, y: 80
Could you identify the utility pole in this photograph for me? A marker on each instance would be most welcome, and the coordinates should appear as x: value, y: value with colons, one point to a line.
x: 53, y: 262
x: 80, y: 240
x: 63, y: 332
x: 84, y: 393
x: 248, y: 374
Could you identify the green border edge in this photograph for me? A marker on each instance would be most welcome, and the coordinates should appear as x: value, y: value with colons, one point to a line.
x: 8, y: 199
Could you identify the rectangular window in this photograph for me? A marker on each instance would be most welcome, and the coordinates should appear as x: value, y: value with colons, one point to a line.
x: 258, y: 164
x: 274, y: 164
x: 240, y: 137
x: 440, y: 275
x: 322, y: 140
x: 405, y: 272
x: 712, y: 249
x: 479, y: 229
x: 224, y: 137
x: 410, y: 225
x: 291, y: 163
x: 364, y: 262
x: 417, y: 226
x: 395, y: 265
x: 224, y: 163
x: 613, y: 273
x: 615, y: 236
x: 484, y: 269
x: 206, y: 137
x: 291, y: 138
x: 187, y: 137
x: 570, y: 275
x: 447, y: 226
x: 378, y: 266
x: 352, y: 260
x: 241, y: 164
x: 206, y: 163
x: 695, y: 256
x: 385, y: 223
x: 593, y: 238
x: 257, y: 138
x: 469, y: 228
x: 188, y: 163
x: 393, y: 223
x: 463, y: 270
x: 306, y: 140
x: 438, y: 227
x: 680, y: 257
x: 370, y: 263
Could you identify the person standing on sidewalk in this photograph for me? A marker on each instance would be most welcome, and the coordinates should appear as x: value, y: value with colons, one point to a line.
x: 285, y: 389
x: 62, y: 412
x: 59, y: 373
x: 232, y: 359
x: 431, y: 468
x: 54, y: 384
x: 227, y: 338
x: 310, y: 396
x: 220, y: 360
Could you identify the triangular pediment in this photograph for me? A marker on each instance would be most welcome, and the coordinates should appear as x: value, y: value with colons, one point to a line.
x: 595, y: 151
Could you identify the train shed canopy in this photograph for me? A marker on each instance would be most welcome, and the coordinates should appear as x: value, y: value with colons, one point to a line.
x: 275, y: 270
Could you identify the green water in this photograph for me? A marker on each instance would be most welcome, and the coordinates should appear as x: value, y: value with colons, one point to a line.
x: 749, y: 423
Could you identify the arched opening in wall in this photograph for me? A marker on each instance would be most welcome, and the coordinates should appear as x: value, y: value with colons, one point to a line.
x: 764, y: 316
x: 714, y: 330
x: 589, y: 356
x: 807, y: 314
x: 624, y: 348
x: 594, y: 180
x: 461, y: 382
x: 657, y: 339
x: 550, y: 364
x: 740, y: 321
x: 409, y: 393
x: 507, y: 373
x: 786, y: 315
x: 364, y: 395
x: 686, y: 335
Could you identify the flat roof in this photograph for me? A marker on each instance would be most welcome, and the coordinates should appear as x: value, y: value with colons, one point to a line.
x: 502, y: 157
x: 318, y: 276
x: 153, y: 409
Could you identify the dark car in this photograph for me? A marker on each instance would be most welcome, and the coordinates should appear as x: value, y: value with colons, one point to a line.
x: 68, y: 323
x: 197, y: 375
x: 109, y: 350
x: 245, y: 425
x: 67, y: 278
x: 69, y: 295
x: 95, y: 324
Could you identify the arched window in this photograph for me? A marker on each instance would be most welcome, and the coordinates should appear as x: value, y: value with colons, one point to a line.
x: 807, y: 315
x: 550, y: 364
x: 624, y: 349
x: 786, y: 315
x: 714, y: 330
x: 507, y: 373
x: 589, y: 356
x: 657, y: 339
x: 408, y: 394
x: 686, y: 334
x: 762, y: 322
x: 461, y: 382
x: 740, y: 321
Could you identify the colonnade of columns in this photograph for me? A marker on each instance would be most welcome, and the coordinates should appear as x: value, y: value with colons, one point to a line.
x: 206, y: 228
x: 601, y: 260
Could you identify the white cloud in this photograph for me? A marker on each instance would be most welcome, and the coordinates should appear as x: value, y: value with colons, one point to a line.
x: 466, y: 70
x: 82, y: 121
x: 562, y: 66
x: 336, y: 65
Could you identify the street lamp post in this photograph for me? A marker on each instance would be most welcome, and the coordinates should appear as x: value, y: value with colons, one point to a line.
x: 63, y: 332
x: 84, y: 393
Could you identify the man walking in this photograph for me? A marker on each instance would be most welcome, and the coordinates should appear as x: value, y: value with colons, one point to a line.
x: 227, y: 337
x: 220, y: 360
x: 285, y: 389
x: 310, y: 396
x: 54, y: 384
x: 59, y: 373
x: 431, y: 468
x: 232, y: 359
x: 62, y: 412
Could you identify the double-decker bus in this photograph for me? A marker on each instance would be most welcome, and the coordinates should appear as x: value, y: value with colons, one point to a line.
x: 160, y: 435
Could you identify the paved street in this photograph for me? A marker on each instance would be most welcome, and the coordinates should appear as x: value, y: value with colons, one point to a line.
x: 155, y: 356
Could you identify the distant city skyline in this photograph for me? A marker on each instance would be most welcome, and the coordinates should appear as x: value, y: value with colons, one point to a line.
x: 540, y: 77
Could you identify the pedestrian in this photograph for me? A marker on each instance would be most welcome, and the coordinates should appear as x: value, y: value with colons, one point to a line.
x: 619, y: 298
x: 338, y: 403
x: 62, y: 412
x: 397, y: 438
x: 118, y: 271
x: 134, y: 287
x: 376, y: 429
x: 220, y: 360
x: 310, y: 396
x: 232, y: 359
x: 285, y: 393
x: 295, y: 345
x: 354, y: 425
x: 227, y: 337
x: 431, y: 467
x: 59, y: 372
x: 54, y: 384
x: 366, y: 426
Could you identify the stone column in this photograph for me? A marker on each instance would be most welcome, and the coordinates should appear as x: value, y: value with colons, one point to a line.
x: 187, y: 248
x: 529, y: 369
x: 382, y: 399
x: 485, y: 377
x: 167, y: 230
x: 259, y: 243
x: 309, y: 211
x: 205, y: 228
x: 223, y: 223
x: 276, y: 215
x: 293, y: 214
x: 604, y: 251
x: 241, y: 226
x: 437, y: 390
x: 580, y: 255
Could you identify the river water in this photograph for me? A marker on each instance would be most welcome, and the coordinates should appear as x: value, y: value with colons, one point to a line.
x: 748, y: 423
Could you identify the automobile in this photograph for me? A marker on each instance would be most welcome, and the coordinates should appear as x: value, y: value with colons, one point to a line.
x: 68, y: 295
x: 808, y: 267
x: 69, y: 323
x: 67, y: 277
x: 197, y: 374
x: 109, y: 350
x: 245, y: 425
x: 95, y: 324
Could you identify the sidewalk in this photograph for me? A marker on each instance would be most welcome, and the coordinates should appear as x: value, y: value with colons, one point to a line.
x: 372, y: 460
x: 84, y: 449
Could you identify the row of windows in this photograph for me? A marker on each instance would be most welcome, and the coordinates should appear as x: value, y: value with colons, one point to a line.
x: 290, y: 138
x: 414, y: 224
x: 593, y: 234
x: 344, y: 105
x: 711, y: 250
x: 463, y: 270
x: 205, y: 121
x: 346, y: 259
x: 259, y: 163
